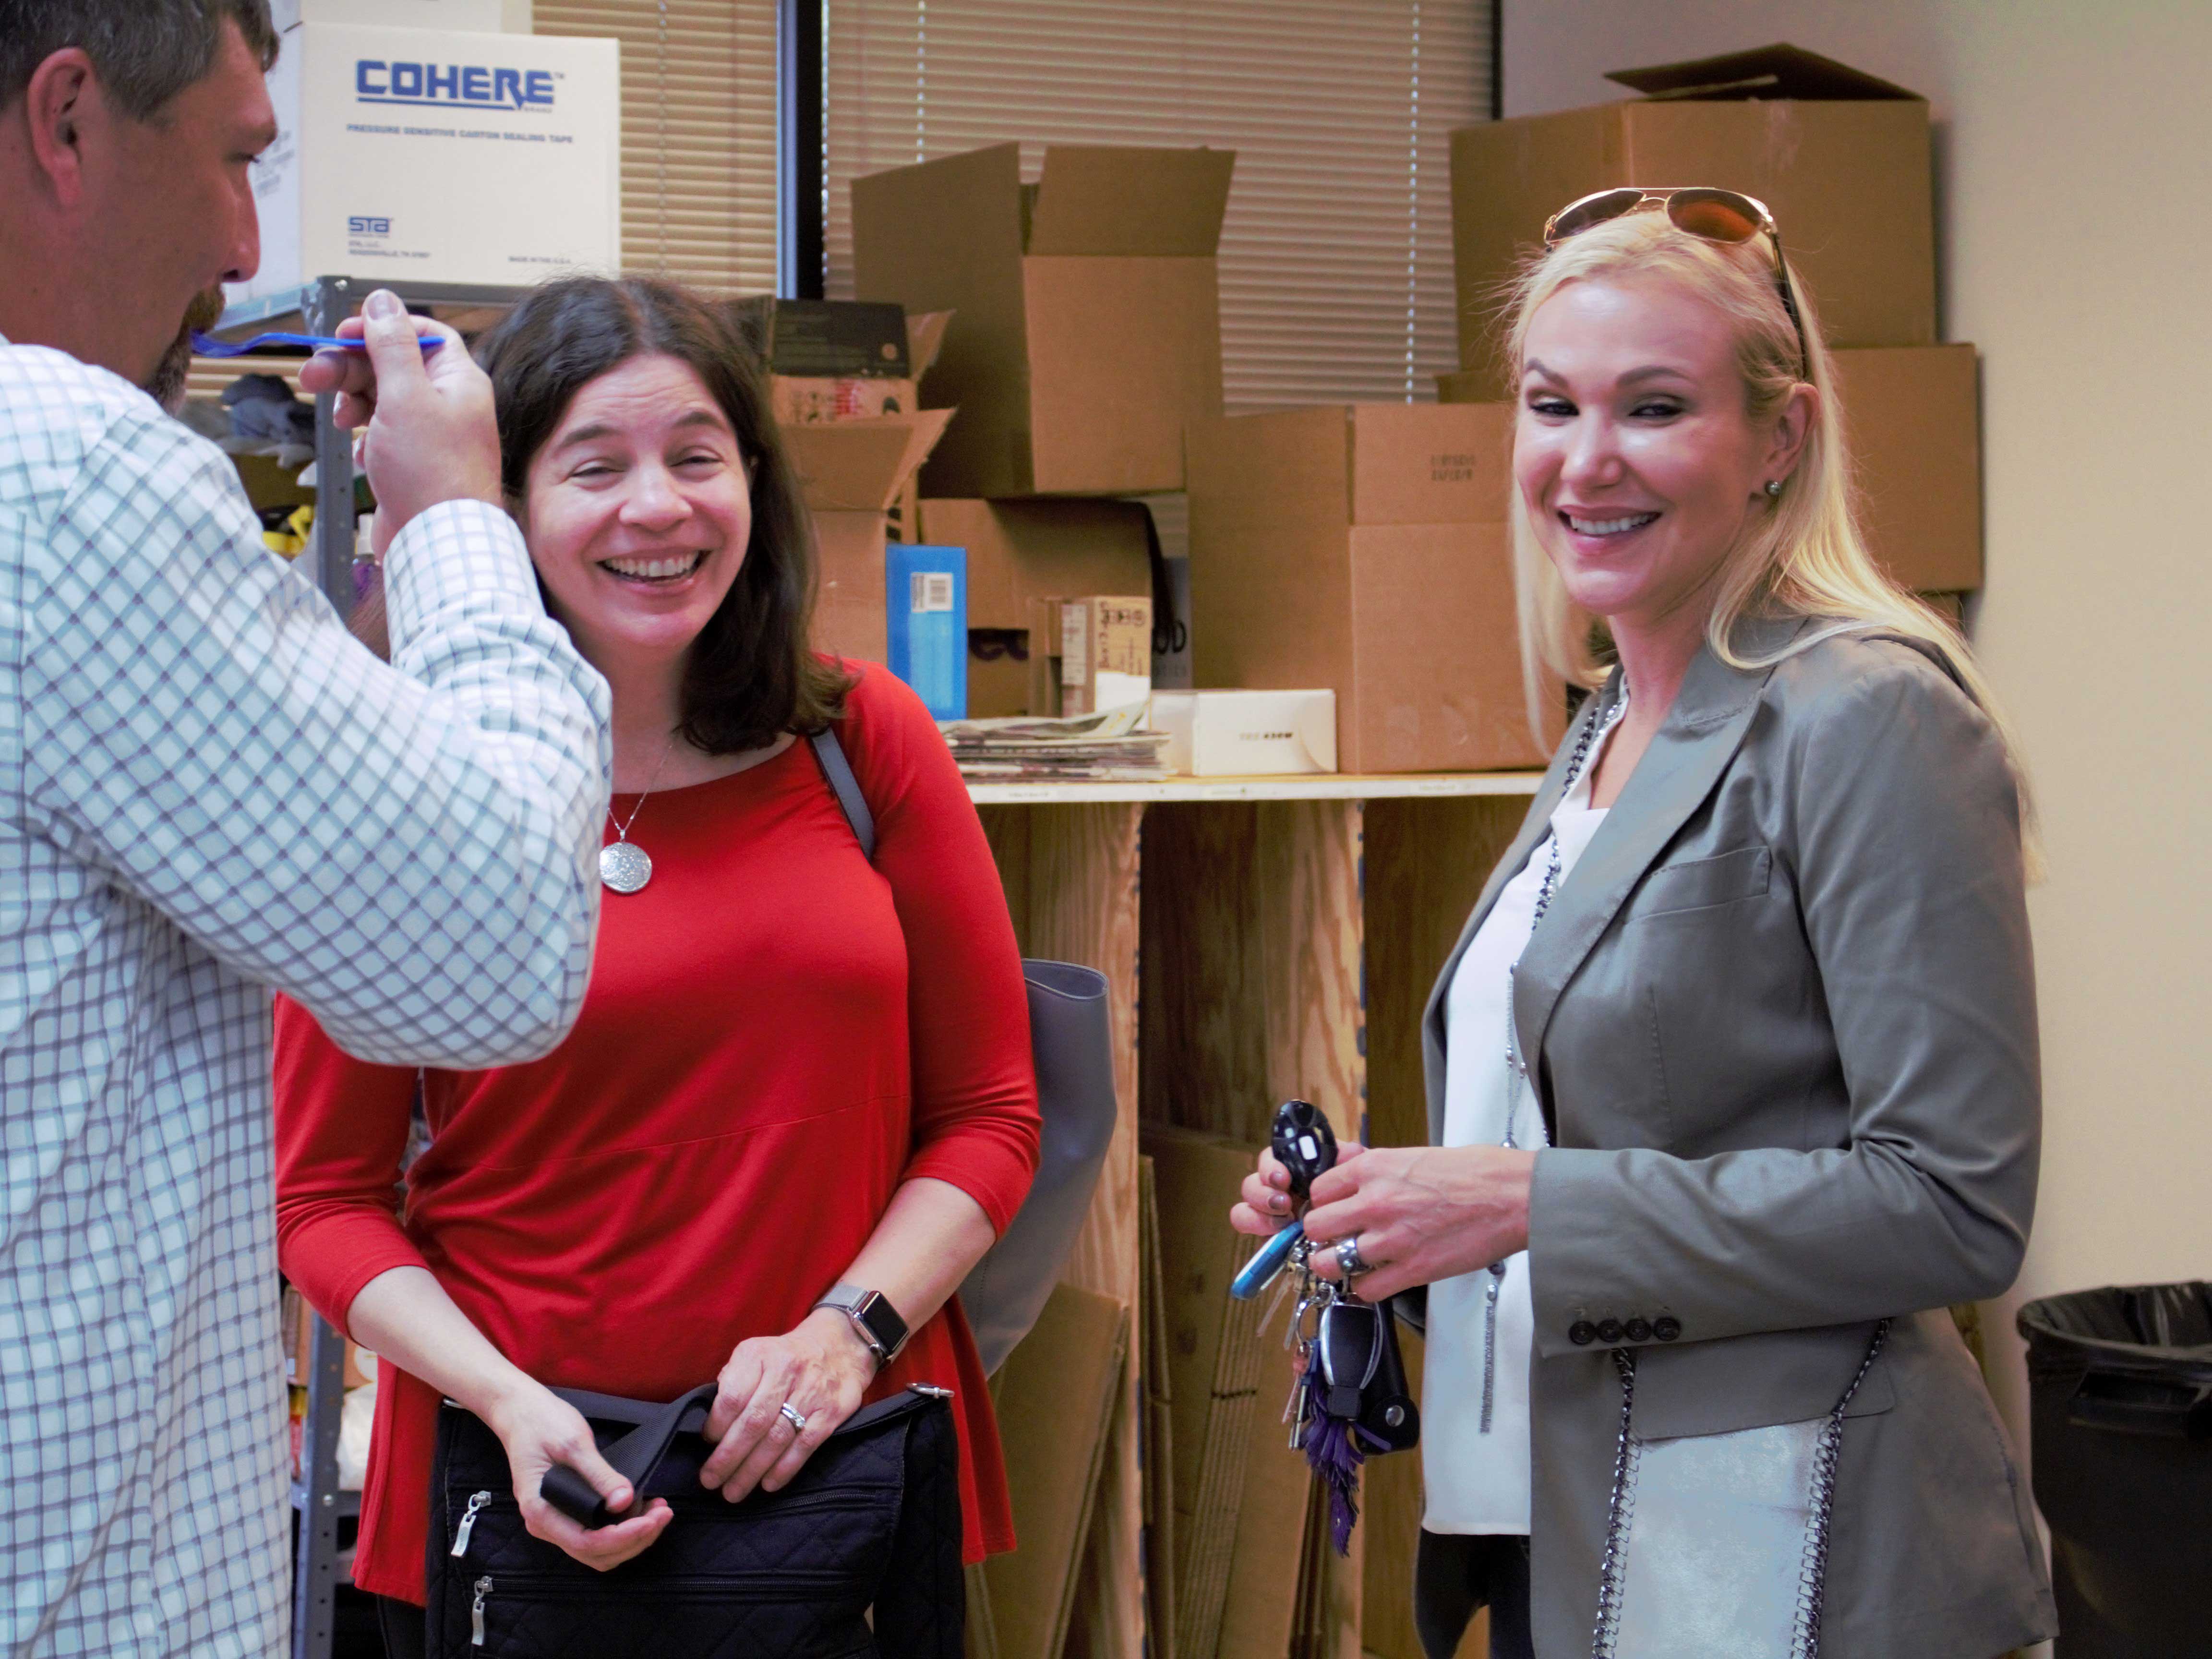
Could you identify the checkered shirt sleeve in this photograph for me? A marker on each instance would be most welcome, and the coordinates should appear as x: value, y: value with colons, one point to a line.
x: 207, y: 788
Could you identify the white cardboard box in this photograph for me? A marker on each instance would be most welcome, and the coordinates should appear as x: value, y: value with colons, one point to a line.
x: 1214, y: 734
x: 439, y: 155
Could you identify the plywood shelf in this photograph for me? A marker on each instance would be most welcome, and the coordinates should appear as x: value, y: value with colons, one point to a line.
x: 1335, y: 786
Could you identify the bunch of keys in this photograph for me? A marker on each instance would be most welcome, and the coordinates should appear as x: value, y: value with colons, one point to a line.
x: 1350, y: 1399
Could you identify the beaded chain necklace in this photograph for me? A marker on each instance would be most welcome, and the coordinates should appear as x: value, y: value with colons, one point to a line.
x: 1593, y: 737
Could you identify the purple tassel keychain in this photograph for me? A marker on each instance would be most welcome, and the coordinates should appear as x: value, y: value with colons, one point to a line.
x: 1334, y: 1448
x: 1356, y: 1406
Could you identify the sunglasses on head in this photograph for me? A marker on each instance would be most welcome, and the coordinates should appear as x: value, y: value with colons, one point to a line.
x: 1717, y: 215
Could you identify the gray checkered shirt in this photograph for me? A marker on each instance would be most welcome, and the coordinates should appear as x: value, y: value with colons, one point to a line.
x: 206, y: 789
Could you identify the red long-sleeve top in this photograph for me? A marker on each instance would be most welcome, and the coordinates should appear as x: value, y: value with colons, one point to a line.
x: 776, y: 1035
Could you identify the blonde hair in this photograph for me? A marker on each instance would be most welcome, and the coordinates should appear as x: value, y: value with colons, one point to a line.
x: 1801, y: 554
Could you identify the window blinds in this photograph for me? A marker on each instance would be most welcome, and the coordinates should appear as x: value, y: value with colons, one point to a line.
x: 1336, y: 267
x: 698, y: 79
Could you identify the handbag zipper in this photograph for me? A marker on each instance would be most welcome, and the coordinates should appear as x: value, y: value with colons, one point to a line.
x: 475, y: 1613
x: 469, y: 1524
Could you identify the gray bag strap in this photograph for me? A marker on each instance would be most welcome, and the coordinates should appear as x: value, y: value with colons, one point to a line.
x: 1072, y: 1043
x: 847, y: 788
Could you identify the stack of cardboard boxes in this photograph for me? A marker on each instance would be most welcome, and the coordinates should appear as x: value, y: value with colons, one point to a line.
x: 842, y: 379
x: 1843, y: 161
x: 1085, y: 335
x: 1363, y: 548
x: 1354, y: 558
x: 1354, y: 563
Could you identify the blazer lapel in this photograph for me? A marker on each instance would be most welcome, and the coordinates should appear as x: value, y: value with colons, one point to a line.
x: 1702, y: 732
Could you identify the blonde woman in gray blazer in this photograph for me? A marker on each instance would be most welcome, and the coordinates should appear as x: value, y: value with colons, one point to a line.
x: 1778, y: 1019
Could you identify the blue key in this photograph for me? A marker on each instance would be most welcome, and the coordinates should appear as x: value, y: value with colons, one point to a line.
x: 1260, y: 1271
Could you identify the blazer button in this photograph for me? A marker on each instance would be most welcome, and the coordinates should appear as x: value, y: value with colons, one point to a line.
x: 1639, y: 1330
x: 1608, y: 1331
x: 1666, y: 1328
x: 1581, y: 1333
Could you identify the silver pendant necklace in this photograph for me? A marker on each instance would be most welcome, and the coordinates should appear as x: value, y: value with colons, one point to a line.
x: 623, y: 867
x: 1516, y: 1070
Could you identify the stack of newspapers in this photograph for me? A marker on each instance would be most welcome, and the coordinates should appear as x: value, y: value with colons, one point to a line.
x: 1114, y: 746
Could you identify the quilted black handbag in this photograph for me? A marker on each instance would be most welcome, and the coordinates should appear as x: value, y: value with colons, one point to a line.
x: 859, y: 1555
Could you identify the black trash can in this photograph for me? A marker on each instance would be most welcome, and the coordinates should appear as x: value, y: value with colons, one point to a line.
x: 2120, y: 1403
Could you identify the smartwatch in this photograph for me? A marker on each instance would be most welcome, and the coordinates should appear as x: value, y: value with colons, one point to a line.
x: 872, y: 1315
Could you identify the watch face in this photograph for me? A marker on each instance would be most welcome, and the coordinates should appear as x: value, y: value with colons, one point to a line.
x: 883, y: 1322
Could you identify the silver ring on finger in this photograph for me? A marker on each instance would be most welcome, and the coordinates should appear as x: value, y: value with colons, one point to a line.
x: 796, y: 1418
x: 1349, y: 1262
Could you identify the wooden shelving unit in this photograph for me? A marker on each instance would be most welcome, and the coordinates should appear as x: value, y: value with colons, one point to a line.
x: 1265, y: 939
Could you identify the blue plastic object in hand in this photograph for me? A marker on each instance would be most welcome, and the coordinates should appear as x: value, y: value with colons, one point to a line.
x: 1260, y: 1271
x: 208, y: 346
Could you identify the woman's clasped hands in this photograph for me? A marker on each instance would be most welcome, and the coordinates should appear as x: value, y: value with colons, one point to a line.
x: 777, y: 1398
x: 1420, y: 1213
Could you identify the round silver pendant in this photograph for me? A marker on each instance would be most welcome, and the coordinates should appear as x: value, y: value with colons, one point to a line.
x: 623, y: 867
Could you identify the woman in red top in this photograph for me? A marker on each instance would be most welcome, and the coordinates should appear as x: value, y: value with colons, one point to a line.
x: 794, y: 1069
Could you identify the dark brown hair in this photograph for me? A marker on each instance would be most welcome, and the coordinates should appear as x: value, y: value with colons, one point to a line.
x: 752, y: 674
x: 145, y: 51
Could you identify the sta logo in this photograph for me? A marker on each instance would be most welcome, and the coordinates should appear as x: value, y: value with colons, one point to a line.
x: 368, y: 225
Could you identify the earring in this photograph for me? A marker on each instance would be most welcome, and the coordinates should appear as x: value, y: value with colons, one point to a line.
x: 1773, y: 487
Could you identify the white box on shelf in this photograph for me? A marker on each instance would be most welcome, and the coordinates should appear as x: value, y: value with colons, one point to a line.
x: 1247, y: 733
x: 432, y: 154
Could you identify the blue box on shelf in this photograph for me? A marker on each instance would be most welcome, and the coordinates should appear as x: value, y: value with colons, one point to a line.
x: 925, y: 610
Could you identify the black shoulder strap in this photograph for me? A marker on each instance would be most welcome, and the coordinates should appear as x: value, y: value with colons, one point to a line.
x: 847, y: 788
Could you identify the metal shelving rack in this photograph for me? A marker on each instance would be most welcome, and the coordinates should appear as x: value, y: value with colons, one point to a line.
x: 318, y: 307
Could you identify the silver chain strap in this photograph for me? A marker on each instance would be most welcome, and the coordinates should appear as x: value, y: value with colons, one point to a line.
x: 1812, y: 1570
x: 1813, y: 1573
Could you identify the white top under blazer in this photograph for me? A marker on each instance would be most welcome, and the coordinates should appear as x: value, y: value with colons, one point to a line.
x: 1478, y: 1482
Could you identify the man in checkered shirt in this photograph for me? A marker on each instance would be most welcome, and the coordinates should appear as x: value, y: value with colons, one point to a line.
x: 207, y: 788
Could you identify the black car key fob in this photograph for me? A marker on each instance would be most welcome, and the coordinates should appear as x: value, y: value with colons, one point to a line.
x: 1303, y: 1144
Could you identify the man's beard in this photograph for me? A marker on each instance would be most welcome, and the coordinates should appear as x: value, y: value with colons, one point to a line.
x: 166, y: 385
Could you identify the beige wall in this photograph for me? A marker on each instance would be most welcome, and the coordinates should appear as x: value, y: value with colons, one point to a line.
x: 2075, y: 202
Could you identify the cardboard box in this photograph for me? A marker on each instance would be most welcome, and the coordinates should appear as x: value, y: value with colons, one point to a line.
x: 1098, y: 654
x: 299, y: 1346
x: 1217, y: 1364
x: 1842, y: 159
x: 1364, y: 549
x: 1019, y: 552
x: 998, y: 673
x: 1913, y: 417
x: 1247, y: 733
x: 850, y: 473
x: 1054, y: 1399
x: 1951, y: 607
x: 834, y: 339
x: 1462, y: 385
x: 809, y: 400
x: 1086, y: 328
x: 926, y: 613
x: 433, y: 155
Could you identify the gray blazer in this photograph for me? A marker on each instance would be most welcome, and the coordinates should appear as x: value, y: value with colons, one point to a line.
x: 1782, y: 1023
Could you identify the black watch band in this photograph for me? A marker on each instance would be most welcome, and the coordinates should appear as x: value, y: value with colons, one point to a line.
x: 872, y: 1315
